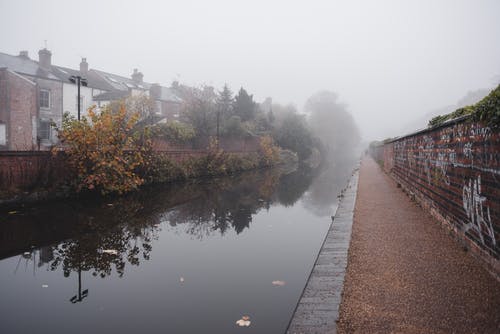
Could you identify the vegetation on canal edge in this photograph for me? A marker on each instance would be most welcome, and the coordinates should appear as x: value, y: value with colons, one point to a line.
x: 487, y: 111
x: 118, y: 148
x: 103, y: 151
x: 215, y: 162
x: 110, y: 153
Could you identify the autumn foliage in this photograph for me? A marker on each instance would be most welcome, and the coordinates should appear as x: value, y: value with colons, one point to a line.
x: 104, y: 150
x: 269, y: 151
x: 108, y: 151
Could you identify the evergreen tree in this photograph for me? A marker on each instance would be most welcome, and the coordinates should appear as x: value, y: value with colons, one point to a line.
x: 224, y: 107
x: 225, y: 102
x: 244, y: 106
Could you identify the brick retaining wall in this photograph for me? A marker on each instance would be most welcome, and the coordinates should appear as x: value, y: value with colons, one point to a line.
x: 27, y: 171
x: 454, y: 172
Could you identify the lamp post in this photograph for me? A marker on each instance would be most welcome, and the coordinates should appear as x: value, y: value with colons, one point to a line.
x: 79, y: 82
x: 81, y: 294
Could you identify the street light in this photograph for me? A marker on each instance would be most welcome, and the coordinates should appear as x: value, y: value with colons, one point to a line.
x: 79, y: 81
x: 81, y: 294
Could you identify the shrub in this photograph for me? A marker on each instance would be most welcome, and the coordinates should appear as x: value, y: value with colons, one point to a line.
x: 103, y: 150
x: 175, y: 132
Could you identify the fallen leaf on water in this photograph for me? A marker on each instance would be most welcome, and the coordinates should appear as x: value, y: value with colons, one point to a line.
x: 26, y: 253
x: 109, y: 204
x: 244, y: 321
x: 110, y: 251
x: 45, y: 286
x: 12, y: 212
x: 181, y: 279
x: 279, y: 283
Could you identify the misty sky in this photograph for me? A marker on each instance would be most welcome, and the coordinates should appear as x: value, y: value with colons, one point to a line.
x: 390, y: 61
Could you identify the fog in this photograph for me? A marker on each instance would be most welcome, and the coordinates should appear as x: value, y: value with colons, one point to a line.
x: 389, y: 61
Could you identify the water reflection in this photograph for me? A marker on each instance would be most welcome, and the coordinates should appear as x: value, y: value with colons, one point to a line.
x: 104, y: 237
x: 101, y: 237
x: 328, y: 182
x: 230, y: 238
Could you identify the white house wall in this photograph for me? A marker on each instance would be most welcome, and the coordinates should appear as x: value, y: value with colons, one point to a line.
x: 70, y: 93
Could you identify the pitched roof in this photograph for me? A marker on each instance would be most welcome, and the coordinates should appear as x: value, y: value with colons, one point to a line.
x: 25, y: 66
x: 93, y: 80
x: 116, y: 86
x: 111, y: 95
x: 168, y: 94
x: 121, y: 83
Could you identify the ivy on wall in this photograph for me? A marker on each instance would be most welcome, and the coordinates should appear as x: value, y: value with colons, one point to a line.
x: 486, y: 111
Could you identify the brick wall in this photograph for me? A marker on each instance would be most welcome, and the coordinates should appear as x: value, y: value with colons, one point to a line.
x: 40, y: 171
x: 18, y: 110
x: 30, y: 170
x: 453, y: 171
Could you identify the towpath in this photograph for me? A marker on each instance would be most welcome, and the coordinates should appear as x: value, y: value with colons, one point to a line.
x: 405, y: 273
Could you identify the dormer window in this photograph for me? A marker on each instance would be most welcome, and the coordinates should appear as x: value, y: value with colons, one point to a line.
x: 45, y: 98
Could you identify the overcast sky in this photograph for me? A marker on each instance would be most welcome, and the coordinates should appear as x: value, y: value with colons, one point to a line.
x: 389, y: 60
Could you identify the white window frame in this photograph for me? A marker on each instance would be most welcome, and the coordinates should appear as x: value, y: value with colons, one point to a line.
x: 3, y: 134
x: 49, y: 124
x: 48, y: 99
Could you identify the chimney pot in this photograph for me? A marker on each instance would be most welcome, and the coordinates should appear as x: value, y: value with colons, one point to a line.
x: 84, y: 66
x: 24, y: 54
x: 137, y: 76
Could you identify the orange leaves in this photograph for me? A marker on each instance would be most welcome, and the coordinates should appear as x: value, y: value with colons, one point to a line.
x: 102, y: 151
x: 269, y: 151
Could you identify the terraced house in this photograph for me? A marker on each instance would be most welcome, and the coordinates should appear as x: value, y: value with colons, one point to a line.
x: 34, y: 95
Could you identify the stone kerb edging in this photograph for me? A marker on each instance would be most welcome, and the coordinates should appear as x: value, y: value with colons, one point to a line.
x: 318, y: 307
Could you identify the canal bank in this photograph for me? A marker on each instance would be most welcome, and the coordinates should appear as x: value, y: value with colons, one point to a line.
x: 318, y: 308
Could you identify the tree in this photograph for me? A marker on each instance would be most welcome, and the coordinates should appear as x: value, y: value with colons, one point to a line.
x: 103, y: 150
x: 142, y: 105
x: 199, y: 111
x: 331, y: 123
x: 294, y: 134
x: 224, y: 106
x: 244, y: 106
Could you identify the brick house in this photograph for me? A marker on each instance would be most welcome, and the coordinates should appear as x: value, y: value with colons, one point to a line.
x: 167, y: 103
x: 18, y: 112
x: 48, y: 103
x: 55, y: 94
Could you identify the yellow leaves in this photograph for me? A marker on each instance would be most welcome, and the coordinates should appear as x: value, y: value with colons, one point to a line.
x: 102, y: 151
x: 269, y: 151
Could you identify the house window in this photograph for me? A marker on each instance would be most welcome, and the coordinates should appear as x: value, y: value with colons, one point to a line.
x: 44, y: 130
x: 3, y: 134
x: 44, y: 98
x: 159, y: 110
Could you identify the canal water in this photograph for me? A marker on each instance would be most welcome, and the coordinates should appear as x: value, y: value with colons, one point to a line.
x: 184, y: 258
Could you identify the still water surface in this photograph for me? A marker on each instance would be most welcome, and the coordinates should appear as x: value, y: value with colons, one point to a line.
x: 185, y: 258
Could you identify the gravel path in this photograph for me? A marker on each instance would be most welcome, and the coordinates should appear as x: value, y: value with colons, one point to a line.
x: 405, y: 274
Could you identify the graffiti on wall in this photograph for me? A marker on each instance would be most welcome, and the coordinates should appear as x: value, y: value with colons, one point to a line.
x: 457, y: 169
x: 477, y: 212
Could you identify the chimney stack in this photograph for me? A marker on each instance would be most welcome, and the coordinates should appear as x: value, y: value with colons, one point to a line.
x: 137, y: 76
x: 84, y: 66
x: 155, y: 91
x: 44, y: 59
x: 24, y: 54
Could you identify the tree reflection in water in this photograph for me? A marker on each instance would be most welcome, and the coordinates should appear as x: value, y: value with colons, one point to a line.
x: 104, y: 237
